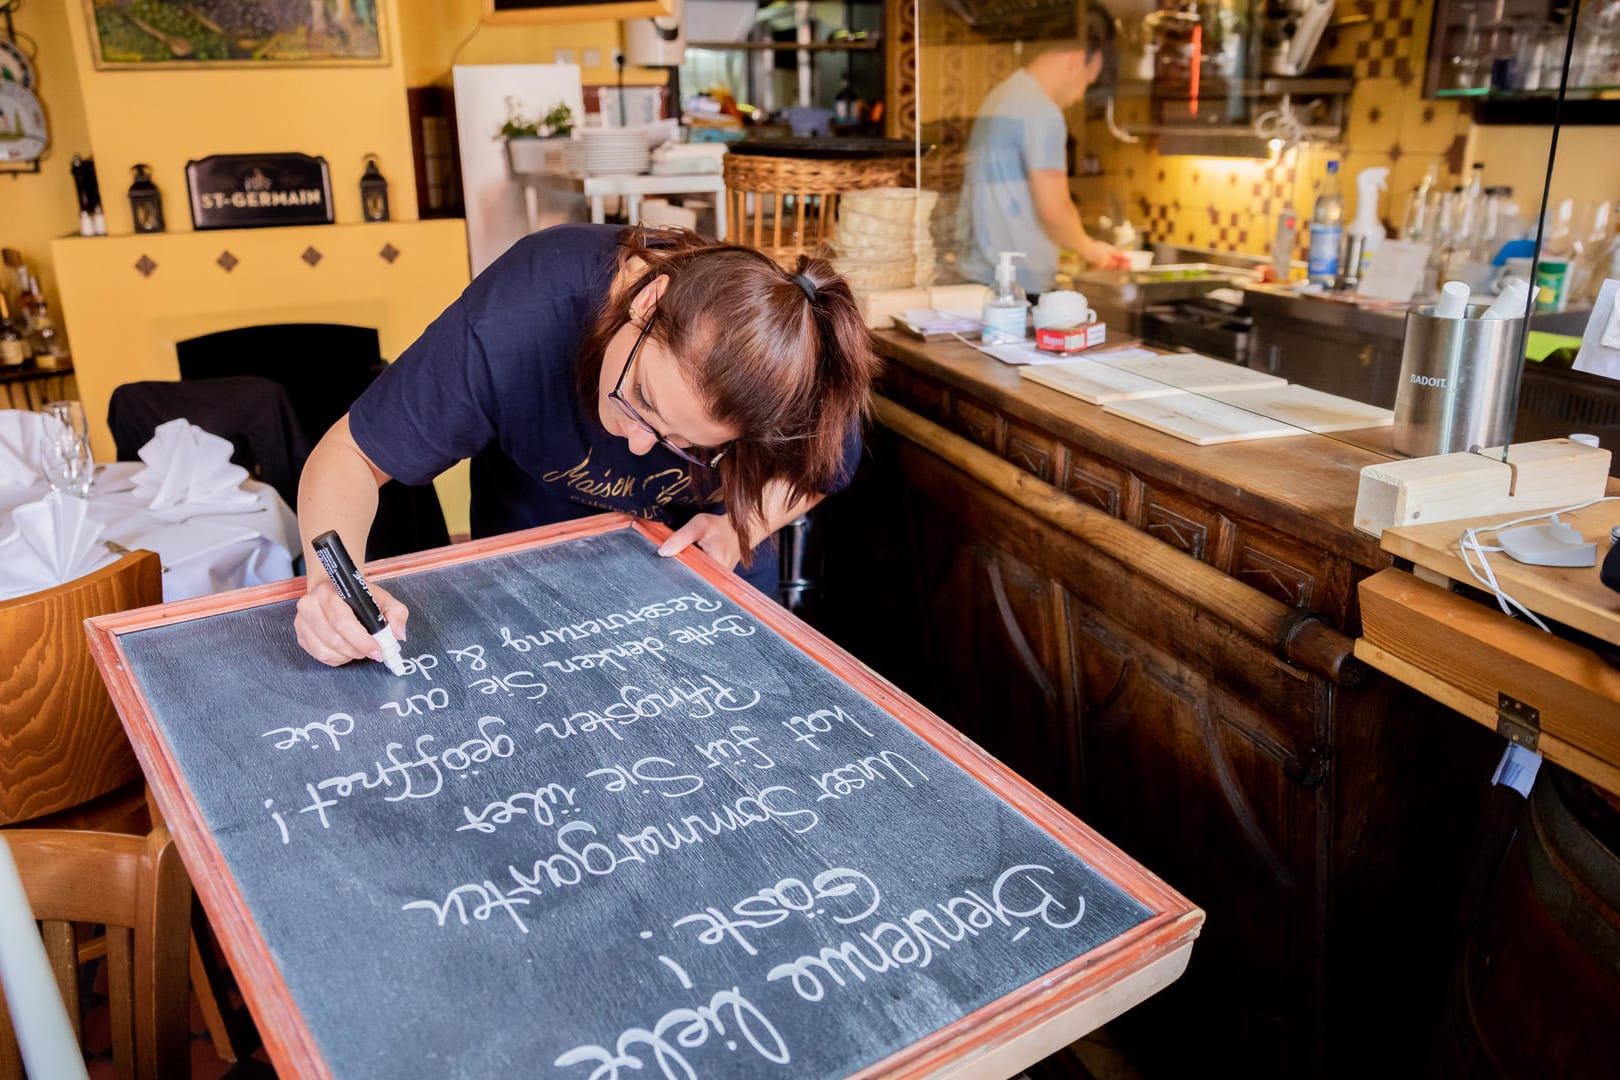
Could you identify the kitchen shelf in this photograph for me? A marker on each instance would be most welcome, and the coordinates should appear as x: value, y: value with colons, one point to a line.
x: 1270, y: 86
x: 1587, y: 105
x: 868, y: 45
x: 1574, y: 93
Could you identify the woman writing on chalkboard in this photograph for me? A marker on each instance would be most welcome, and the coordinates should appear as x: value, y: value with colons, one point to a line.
x: 592, y: 368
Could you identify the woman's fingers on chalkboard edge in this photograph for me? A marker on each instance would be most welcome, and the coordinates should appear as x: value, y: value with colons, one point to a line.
x: 711, y: 532
x: 330, y: 632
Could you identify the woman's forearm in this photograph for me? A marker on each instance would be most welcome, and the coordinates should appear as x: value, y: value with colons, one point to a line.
x: 338, y: 490
x: 780, y: 507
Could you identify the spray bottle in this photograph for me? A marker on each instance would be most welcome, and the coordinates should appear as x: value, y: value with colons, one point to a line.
x: 1006, y: 313
x: 1366, y: 232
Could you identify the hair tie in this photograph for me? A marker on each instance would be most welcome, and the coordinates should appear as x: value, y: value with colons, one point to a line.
x: 803, y: 281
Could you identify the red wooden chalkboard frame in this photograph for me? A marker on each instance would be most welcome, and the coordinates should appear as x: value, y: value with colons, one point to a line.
x: 996, y: 1040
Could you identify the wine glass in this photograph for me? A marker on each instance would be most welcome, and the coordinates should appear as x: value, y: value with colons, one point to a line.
x: 65, y: 459
x: 70, y: 414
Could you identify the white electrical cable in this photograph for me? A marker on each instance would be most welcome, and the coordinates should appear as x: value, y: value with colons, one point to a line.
x: 1470, y: 547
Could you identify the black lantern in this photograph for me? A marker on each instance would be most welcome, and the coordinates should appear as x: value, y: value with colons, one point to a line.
x: 145, y: 202
x: 373, y: 193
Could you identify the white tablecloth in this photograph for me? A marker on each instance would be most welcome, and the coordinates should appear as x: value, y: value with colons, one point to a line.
x: 202, y: 552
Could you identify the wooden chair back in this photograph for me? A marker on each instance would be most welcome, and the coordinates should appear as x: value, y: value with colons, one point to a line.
x: 61, y: 744
x: 137, y: 888
x: 787, y: 206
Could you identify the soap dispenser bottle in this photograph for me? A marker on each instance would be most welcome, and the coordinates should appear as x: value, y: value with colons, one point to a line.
x: 1006, y: 314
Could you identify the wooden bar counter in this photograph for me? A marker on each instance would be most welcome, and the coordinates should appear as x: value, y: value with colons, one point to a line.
x: 1160, y: 636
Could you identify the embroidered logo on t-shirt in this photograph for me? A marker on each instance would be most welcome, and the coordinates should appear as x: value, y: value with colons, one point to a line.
x: 655, y: 490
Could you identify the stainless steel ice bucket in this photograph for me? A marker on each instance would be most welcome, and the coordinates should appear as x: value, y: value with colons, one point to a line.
x: 1459, y: 382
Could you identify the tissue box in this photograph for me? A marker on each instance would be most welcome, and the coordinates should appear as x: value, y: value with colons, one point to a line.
x: 1070, y: 339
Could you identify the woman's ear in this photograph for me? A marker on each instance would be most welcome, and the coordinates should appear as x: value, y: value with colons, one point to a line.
x: 641, y: 306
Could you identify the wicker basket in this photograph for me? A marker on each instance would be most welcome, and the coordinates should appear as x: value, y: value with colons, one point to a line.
x: 786, y: 206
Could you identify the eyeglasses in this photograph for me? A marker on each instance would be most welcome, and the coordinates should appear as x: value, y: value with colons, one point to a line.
x: 710, y: 459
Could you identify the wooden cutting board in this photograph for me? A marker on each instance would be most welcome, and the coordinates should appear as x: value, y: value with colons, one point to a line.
x: 1306, y: 408
x: 1191, y: 371
x: 1095, y: 383
x: 1573, y: 595
x: 1201, y: 420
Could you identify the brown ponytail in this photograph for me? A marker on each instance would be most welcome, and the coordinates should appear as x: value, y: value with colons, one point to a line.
x: 789, y: 367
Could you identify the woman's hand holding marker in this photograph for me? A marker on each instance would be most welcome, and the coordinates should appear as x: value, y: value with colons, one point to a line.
x: 329, y: 631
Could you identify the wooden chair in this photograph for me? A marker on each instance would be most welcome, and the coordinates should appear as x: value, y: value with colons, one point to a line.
x: 64, y: 760
x: 137, y: 888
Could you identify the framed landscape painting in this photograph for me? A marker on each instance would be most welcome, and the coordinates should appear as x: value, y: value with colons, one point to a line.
x: 145, y: 34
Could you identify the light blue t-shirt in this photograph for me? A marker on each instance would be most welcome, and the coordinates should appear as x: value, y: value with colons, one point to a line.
x: 1018, y: 130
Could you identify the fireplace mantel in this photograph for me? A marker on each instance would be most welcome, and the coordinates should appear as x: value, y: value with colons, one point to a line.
x: 130, y: 299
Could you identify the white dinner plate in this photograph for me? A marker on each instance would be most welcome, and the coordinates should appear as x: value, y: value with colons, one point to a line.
x: 23, y: 136
x: 15, y: 65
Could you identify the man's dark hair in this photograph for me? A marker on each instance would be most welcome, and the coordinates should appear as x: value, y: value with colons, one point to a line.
x: 1098, y: 32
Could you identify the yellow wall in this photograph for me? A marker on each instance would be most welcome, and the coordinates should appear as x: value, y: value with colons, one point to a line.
x: 35, y: 208
x: 169, y: 116
x: 438, y: 34
x: 1587, y: 167
x: 129, y: 334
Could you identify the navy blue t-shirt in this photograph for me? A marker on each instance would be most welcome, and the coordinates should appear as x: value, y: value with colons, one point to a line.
x: 493, y: 379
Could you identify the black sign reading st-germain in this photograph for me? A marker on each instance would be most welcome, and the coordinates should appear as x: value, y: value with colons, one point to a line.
x: 249, y: 191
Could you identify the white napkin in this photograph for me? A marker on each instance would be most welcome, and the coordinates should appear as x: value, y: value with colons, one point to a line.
x: 19, y: 446
x: 185, y: 465
x: 52, y: 541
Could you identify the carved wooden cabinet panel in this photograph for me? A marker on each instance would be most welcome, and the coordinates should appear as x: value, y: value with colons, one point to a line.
x: 973, y: 419
x: 1095, y: 482
x: 1323, y: 830
x: 1194, y: 748
x: 1175, y: 775
x: 922, y: 396
x: 1033, y: 450
x: 1300, y: 575
x: 1184, y: 523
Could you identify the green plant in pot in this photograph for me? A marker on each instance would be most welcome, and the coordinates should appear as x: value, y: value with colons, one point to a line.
x: 527, y: 140
x: 559, y: 121
x: 517, y: 126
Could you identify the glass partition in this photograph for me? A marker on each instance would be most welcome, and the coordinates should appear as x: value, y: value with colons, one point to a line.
x: 1199, y: 144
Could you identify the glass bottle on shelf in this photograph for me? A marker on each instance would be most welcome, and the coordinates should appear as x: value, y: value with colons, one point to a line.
x: 1552, y: 56
x: 1327, y: 230
x: 1418, y: 224
x: 1467, y: 64
x: 45, y: 341
x: 12, y: 352
x: 1503, y: 40
x: 846, y: 106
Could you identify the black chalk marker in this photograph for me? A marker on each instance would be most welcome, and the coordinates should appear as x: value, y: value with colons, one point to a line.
x: 357, y: 594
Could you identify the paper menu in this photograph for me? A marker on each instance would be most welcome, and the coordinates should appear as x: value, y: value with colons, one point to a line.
x: 1306, y: 408
x: 1194, y: 372
x: 1200, y: 420
x: 1096, y: 384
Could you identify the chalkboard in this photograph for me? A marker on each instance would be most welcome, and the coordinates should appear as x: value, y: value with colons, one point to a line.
x: 622, y: 817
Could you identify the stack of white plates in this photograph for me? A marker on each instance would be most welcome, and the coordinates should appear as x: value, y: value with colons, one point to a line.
x: 607, y: 152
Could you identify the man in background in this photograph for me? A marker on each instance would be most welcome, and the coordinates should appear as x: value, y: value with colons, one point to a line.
x: 1016, y: 184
